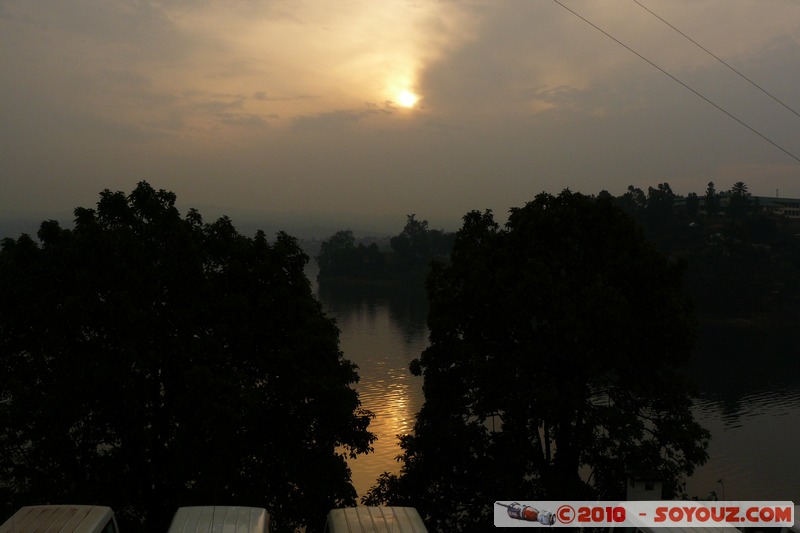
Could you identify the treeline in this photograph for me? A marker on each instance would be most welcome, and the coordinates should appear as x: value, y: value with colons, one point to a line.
x: 666, y: 216
x: 410, y: 253
x: 742, y: 256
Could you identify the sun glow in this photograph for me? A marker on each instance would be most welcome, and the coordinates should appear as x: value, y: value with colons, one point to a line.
x: 407, y: 99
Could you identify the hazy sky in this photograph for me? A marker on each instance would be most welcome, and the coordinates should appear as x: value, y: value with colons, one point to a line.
x: 297, y: 106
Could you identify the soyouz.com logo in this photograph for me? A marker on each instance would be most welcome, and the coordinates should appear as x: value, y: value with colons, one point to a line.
x: 644, y: 514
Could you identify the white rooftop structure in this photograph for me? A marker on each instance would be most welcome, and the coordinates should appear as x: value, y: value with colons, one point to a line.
x: 220, y: 519
x: 375, y: 520
x: 61, y: 519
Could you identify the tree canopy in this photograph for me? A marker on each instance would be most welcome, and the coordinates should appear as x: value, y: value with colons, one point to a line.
x: 152, y: 361
x: 341, y: 259
x: 553, y: 366
x: 416, y: 245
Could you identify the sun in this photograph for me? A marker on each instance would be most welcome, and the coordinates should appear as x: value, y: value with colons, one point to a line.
x: 406, y: 98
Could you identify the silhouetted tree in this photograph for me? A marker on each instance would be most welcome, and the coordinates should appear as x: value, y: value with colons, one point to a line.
x: 659, y: 204
x: 554, y: 351
x: 340, y: 258
x: 605, y: 196
x: 335, y: 249
x: 151, y: 361
x: 416, y: 246
x: 739, y: 202
x: 712, y: 200
x: 634, y: 201
x: 413, y: 245
x: 692, y: 205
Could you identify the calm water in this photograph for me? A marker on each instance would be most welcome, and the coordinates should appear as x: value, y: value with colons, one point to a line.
x: 382, y: 334
x: 749, y: 383
x: 748, y: 394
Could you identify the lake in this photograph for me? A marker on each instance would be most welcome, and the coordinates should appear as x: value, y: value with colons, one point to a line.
x: 748, y: 396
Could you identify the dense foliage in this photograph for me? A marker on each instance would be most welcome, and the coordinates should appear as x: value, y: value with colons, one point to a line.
x: 412, y: 251
x: 742, y: 259
x: 417, y: 244
x: 340, y: 257
x: 553, y: 366
x: 152, y: 361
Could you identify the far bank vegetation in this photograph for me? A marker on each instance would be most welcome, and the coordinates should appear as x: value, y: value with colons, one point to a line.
x: 742, y: 258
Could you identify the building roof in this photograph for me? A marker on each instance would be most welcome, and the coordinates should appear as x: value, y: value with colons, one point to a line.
x: 58, y: 519
x: 220, y: 519
x: 375, y: 520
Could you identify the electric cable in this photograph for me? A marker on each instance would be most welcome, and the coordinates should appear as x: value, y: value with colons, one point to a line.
x: 685, y: 85
x: 706, y: 50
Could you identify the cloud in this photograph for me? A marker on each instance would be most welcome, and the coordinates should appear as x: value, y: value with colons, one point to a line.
x: 336, y: 121
x: 288, y: 104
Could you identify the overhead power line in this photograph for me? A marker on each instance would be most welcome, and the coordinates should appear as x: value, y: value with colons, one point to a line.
x: 706, y: 50
x: 685, y: 85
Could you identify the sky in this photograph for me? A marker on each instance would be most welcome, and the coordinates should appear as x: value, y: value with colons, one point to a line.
x: 362, y: 111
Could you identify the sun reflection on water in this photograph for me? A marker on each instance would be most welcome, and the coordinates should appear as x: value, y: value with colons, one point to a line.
x: 371, y: 339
